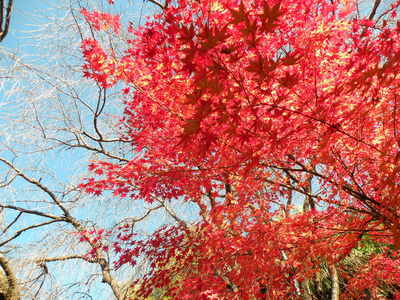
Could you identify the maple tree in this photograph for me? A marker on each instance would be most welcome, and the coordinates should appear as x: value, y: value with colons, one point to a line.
x: 242, y: 109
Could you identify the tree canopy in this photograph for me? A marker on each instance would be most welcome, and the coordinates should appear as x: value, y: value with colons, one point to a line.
x: 244, y: 108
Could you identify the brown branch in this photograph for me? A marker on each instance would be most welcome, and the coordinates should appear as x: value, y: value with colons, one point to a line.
x: 18, y: 233
x: 171, y: 213
x: 335, y: 291
x: 133, y: 221
x: 159, y: 4
x: 374, y: 9
x: 80, y: 144
x: 4, y: 31
x: 64, y: 258
x: 32, y: 212
x: 13, y: 222
x: 43, y: 188
x: 101, y: 261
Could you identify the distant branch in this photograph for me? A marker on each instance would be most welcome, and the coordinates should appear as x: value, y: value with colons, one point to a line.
x: 18, y: 233
x: 13, y: 222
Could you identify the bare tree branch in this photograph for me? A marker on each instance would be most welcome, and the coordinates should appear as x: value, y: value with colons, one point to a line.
x: 374, y: 9
x: 159, y: 4
x: 32, y: 212
x: 172, y: 213
x: 18, y: 233
x: 64, y: 258
x: 13, y: 222
x: 42, y: 187
x: 7, y: 20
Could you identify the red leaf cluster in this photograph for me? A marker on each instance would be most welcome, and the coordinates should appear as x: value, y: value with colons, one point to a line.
x: 102, y: 21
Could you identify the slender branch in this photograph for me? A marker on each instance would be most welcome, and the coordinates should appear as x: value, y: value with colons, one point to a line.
x: 172, y: 213
x: 80, y: 144
x: 133, y: 221
x: 159, y: 4
x: 32, y: 212
x: 38, y: 184
x: 13, y: 222
x: 101, y: 101
x: 18, y: 233
x: 115, y: 140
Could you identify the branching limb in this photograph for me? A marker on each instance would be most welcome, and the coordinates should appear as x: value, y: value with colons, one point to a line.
x: 133, y: 221
x: 171, y: 213
x: 39, y: 185
x: 80, y: 144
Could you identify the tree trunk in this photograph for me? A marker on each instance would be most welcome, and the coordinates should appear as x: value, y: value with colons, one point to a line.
x: 12, y: 289
x: 306, y: 294
x: 335, y: 294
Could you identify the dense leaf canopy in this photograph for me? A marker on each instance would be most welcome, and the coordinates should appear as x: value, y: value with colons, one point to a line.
x: 245, y: 109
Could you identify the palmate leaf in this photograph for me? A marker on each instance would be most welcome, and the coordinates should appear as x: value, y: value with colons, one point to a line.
x: 191, y: 126
x: 270, y: 17
x: 239, y: 15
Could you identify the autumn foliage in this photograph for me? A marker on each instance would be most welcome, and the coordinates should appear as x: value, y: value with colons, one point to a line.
x: 249, y: 110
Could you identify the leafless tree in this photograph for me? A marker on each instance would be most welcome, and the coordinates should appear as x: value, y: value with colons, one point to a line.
x: 53, y: 123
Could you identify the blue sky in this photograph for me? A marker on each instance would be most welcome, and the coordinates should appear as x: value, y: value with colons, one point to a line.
x: 21, y: 20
